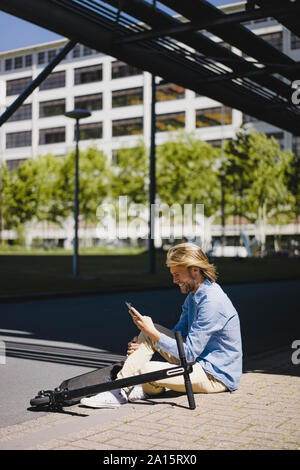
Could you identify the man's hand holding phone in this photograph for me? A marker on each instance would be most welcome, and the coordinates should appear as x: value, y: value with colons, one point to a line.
x: 144, y: 323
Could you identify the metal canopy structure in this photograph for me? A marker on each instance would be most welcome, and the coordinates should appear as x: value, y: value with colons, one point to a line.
x: 174, y: 39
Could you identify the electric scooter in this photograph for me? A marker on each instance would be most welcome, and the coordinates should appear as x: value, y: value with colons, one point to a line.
x: 70, y: 391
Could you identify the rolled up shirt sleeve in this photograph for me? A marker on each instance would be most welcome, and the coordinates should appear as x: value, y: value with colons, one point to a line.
x: 208, y: 320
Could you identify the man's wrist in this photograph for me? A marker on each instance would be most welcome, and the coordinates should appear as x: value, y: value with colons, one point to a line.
x: 155, y: 335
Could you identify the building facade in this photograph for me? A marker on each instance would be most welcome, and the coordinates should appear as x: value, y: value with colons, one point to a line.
x: 119, y: 98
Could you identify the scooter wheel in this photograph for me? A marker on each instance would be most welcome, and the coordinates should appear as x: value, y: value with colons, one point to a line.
x: 40, y: 401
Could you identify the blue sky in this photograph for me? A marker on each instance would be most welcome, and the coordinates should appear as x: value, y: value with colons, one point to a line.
x: 29, y: 34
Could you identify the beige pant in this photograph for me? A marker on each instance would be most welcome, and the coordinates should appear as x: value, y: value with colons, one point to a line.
x: 139, y: 363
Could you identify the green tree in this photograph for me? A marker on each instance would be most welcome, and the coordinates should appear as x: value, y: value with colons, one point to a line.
x: 3, y: 186
x: 94, y: 175
x: 21, y: 194
x: 32, y: 191
x: 293, y: 184
x: 257, y: 166
x: 237, y: 167
x: 130, y: 177
x: 50, y: 206
x: 187, y: 172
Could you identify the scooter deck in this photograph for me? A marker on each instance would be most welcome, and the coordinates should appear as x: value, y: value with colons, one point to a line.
x: 90, y: 378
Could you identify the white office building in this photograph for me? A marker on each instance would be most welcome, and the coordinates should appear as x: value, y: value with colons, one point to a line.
x: 119, y: 98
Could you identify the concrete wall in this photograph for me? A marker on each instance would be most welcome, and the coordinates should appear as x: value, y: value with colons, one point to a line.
x: 269, y: 314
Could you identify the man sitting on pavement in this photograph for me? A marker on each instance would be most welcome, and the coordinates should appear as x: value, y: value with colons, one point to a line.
x: 209, y: 324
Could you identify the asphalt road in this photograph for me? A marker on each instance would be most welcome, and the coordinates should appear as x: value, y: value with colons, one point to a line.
x: 49, y: 340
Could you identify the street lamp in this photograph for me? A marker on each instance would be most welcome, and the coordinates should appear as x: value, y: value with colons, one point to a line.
x: 152, y: 174
x: 223, y: 182
x: 76, y: 114
x: 152, y: 180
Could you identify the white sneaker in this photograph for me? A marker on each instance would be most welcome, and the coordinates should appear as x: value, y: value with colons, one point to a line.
x: 111, y: 399
x: 137, y: 393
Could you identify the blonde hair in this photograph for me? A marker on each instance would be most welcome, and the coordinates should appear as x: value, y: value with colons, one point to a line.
x: 189, y: 255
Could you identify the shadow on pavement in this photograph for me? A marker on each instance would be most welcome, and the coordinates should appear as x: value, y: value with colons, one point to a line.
x: 36, y: 409
x: 63, y: 355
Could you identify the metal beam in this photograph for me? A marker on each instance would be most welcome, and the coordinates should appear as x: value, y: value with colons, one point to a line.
x: 270, y: 69
x: 201, y: 43
x: 237, y: 35
x: 144, y: 12
x: 36, y: 82
x: 201, y: 25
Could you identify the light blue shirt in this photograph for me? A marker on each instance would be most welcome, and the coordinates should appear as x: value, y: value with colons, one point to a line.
x: 211, y: 328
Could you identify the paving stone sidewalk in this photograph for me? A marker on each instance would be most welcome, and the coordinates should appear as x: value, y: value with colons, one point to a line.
x: 264, y: 413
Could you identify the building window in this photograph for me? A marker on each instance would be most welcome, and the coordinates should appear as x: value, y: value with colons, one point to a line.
x: 18, y: 139
x: 127, y: 97
x: 54, y: 80
x: 13, y: 164
x: 18, y: 62
x: 76, y: 51
x: 52, y: 136
x: 8, y: 64
x: 79, y: 50
x: 165, y: 122
x: 14, y: 87
x: 87, y: 51
x: 41, y: 58
x: 88, y: 74
x: 247, y: 118
x: 51, y: 54
x: 121, y: 69
x: 52, y: 108
x: 279, y: 136
x: 274, y: 39
x: 215, y: 143
x: 89, y: 102
x: 295, y: 41
x: 169, y: 92
x: 127, y: 127
x: 22, y: 113
x: 90, y: 131
x: 28, y: 60
x: 213, y: 117
x: 296, y: 145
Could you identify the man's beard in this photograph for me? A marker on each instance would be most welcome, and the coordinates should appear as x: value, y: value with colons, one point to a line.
x: 188, y: 286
